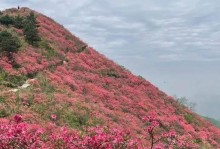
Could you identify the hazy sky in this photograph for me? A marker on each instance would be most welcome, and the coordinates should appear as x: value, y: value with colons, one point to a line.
x: 175, y: 44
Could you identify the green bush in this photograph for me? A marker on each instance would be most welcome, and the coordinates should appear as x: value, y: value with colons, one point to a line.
x: 76, y: 120
x: 30, y: 30
x: 11, y: 80
x: 109, y: 73
x: 18, y: 22
x: 45, y: 84
x: 7, y: 20
x: 3, y: 113
x: 8, y: 42
x: 49, y: 52
x: 189, y: 118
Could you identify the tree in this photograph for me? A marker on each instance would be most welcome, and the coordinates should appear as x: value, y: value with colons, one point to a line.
x: 30, y: 30
x: 32, y: 18
x: 18, y: 22
x: 8, y: 42
x: 186, y: 103
x: 6, y: 20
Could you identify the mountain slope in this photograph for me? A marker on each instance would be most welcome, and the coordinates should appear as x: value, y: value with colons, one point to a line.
x: 67, y: 83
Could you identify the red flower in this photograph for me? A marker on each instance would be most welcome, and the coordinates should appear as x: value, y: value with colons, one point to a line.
x: 18, y: 118
x: 53, y: 116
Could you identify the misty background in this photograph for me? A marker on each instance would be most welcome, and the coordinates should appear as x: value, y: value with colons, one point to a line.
x: 173, y: 44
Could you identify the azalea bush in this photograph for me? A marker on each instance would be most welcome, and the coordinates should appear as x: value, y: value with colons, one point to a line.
x: 17, y: 134
x: 161, y: 137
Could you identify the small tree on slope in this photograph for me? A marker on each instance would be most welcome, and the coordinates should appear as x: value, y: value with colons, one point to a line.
x: 8, y: 42
x: 30, y: 30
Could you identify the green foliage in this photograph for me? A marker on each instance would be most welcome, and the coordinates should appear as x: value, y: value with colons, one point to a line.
x: 32, y: 18
x: 189, y: 118
x: 7, y: 20
x: 3, y: 113
x: 109, y: 73
x: 198, y: 141
x: 18, y: 80
x: 185, y: 103
x: 80, y: 118
x: 45, y: 85
x: 140, y: 77
x: 213, y: 121
x: 81, y: 49
x: 30, y: 30
x: 8, y: 42
x: 2, y: 99
x: 49, y: 52
x: 76, y: 117
x: 3, y: 75
x: 76, y: 120
x: 11, y: 80
x: 18, y: 22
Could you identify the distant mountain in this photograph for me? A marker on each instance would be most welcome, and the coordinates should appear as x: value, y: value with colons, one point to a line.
x: 213, y: 121
x: 58, y: 92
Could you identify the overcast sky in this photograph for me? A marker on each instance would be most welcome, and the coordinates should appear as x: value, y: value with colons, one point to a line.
x: 175, y: 44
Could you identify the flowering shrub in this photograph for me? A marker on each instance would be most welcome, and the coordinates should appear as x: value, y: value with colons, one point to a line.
x: 169, y: 139
x: 21, y: 135
x: 17, y: 134
x: 53, y: 117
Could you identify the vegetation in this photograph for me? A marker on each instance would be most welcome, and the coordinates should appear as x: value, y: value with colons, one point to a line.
x: 11, y: 80
x: 8, y: 42
x: 109, y: 73
x: 186, y: 103
x: 189, y: 118
x: 48, y: 51
x: 60, y: 108
x: 213, y: 121
x: 44, y: 83
x: 30, y: 30
x: 19, y: 22
x: 7, y: 20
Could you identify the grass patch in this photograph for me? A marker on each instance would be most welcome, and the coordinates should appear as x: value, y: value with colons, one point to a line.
x: 109, y: 73
x: 2, y: 99
x: 125, y: 110
x: 11, y: 80
x: 45, y: 84
x: 81, y: 49
x: 3, y: 113
x: 81, y: 118
x: 49, y: 52
x: 76, y: 120
x: 78, y: 117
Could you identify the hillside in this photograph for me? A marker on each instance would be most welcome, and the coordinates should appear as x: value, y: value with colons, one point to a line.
x: 213, y: 121
x: 59, y: 81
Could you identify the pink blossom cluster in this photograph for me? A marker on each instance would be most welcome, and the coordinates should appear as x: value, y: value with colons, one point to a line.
x: 167, y: 139
x: 17, y: 134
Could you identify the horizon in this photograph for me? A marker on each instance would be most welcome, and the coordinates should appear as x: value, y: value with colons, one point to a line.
x: 176, y: 52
